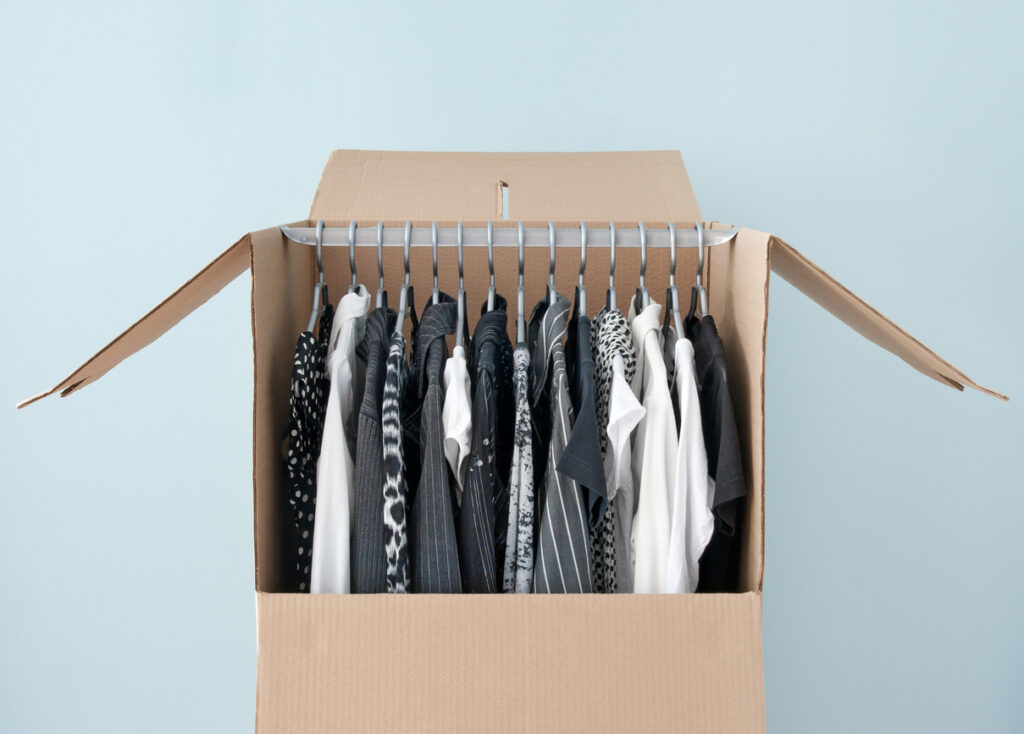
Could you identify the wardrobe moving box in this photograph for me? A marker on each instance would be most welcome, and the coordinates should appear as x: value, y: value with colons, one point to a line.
x: 519, y: 663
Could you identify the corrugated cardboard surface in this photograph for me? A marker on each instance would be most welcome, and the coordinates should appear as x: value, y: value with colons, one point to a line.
x: 497, y: 663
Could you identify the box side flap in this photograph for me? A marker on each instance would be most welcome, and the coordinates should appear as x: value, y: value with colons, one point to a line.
x: 831, y: 295
x: 394, y: 186
x: 194, y: 293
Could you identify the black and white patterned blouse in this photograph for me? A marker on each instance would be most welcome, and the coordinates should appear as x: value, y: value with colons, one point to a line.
x: 395, y: 489
x: 310, y: 385
x: 610, y: 537
x: 518, y: 570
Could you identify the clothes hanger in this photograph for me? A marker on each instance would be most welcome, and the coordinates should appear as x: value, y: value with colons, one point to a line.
x: 435, y: 295
x: 699, y: 292
x: 403, y: 298
x: 352, y: 256
x: 642, y: 299
x: 672, y: 293
x: 460, y: 322
x: 320, y: 286
x: 552, y: 292
x: 610, y: 297
x: 581, y: 294
x: 490, y: 265
x: 520, y: 293
x: 382, y: 294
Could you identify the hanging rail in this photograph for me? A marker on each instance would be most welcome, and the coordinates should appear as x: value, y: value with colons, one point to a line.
x: 505, y: 236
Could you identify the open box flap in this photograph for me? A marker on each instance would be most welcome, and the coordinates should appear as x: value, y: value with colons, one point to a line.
x: 831, y: 295
x: 393, y: 186
x: 195, y: 292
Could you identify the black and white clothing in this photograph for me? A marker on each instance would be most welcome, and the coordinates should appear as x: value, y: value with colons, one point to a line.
x: 310, y: 385
x: 395, y: 488
x: 719, y: 566
x: 614, y: 367
x: 433, y: 550
x: 369, y: 558
x: 563, y: 563
x: 483, y: 515
x: 518, y: 571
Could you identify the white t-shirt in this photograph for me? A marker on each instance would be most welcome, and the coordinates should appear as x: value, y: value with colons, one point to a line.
x: 654, y: 455
x: 332, y: 525
x: 692, y: 521
x: 457, y: 417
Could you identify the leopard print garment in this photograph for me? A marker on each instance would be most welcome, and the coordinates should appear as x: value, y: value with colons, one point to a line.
x: 611, y: 337
x: 308, y: 403
x: 518, y: 571
x: 396, y: 536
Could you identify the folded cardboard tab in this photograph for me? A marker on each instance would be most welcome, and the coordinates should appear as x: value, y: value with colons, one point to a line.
x: 464, y: 663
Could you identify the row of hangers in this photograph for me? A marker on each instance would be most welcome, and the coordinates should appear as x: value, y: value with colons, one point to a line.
x: 642, y: 296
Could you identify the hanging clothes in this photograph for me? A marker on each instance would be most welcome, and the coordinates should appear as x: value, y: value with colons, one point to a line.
x: 654, y: 455
x: 302, y: 445
x: 433, y: 548
x: 719, y: 565
x: 335, y: 475
x: 692, y: 521
x: 483, y: 516
x: 518, y: 570
x: 369, y: 558
x: 395, y: 487
x: 618, y: 413
x: 457, y: 418
x: 581, y: 458
x: 563, y: 563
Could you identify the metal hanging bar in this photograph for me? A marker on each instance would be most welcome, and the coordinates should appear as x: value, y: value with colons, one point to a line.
x: 657, y: 237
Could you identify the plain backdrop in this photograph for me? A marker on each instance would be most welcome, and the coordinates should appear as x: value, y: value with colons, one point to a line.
x: 138, y: 140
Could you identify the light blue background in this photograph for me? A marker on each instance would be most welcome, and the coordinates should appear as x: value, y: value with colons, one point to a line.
x: 882, y: 139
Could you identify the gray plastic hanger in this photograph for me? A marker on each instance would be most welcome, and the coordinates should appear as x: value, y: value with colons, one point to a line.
x: 320, y: 286
x: 352, y: 256
x: 672, y: 294
x: 552, y: 291
x: 382, y: 294
x: 520, y: 292
x: 403, y: 298
x: 460, y: 322
x: 642, y: 297
x: 435, y: 294
x: 581, y: 297
x: 490, y: 265
x: 610, y: 297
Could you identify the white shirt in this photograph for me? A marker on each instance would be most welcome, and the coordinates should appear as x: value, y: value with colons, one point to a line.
x: 457, y: 417
x: 654, y: 455
x: 624, y: 413
x: 690, y: 502
x: 332, y: 524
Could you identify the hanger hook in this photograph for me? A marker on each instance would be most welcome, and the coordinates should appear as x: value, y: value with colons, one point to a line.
x: 551, y: 262
x: 490, y: 265
x: 672, y: 254
x: 352, y: 254
x: 405, y: 251
x: 458, y: 242
x: 702, y: 291
x: 433, y: 244
x: 380, y: 264
x: 520, y: 293
x: 583, y: 268
x: 320, y: 251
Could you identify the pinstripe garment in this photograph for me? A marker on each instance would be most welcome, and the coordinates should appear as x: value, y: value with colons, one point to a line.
x: 563, y: 562
x: 369, y: 558
x: 433, y: 549
x: 518, y: 573
x: 483, y: 516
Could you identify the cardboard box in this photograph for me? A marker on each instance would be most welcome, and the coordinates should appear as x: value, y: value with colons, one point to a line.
x: 506, y: 662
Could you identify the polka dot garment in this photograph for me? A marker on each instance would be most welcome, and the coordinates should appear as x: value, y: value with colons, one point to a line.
x: 310, y: 386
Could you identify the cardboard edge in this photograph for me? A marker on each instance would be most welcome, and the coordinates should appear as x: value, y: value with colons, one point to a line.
x: 206, y: 283
x: 817, y: 284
